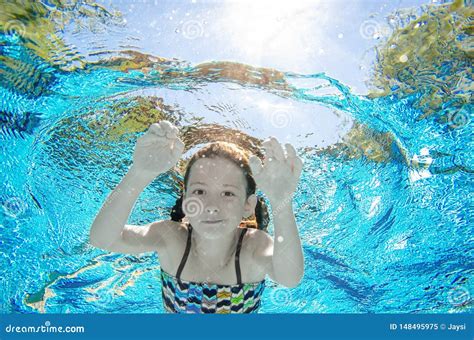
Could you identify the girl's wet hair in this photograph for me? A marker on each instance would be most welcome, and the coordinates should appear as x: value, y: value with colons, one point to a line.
x: 239, y: 157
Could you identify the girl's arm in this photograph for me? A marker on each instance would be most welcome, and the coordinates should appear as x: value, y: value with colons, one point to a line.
x: 109, y: 231
x: 282, y: 258
x: 287, y: 259
x: 155, y: 152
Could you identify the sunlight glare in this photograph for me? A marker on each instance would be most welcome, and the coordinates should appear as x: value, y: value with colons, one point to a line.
x: 277, y: 29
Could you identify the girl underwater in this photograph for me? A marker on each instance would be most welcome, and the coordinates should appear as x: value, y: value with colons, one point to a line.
x: 210, y: 224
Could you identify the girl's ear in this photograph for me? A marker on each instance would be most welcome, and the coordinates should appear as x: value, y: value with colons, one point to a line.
x: 250, y: 204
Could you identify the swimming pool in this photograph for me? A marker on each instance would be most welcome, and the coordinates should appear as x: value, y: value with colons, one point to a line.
x: 384, y: 206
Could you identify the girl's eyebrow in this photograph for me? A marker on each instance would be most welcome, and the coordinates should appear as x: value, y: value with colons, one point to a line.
x: 201, y: 183
x: 195, y: 183
x: 230, y: 185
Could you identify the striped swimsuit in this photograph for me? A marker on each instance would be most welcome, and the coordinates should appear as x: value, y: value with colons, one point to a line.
x: 180, y: 296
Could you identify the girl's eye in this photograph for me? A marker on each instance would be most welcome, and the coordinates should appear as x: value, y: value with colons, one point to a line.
x: 229, y: 194
x: 198, y: 190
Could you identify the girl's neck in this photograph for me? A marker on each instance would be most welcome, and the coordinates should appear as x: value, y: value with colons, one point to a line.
x: 214, y: 253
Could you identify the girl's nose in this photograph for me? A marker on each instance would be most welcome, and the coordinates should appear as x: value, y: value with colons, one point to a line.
x: 212, y: 209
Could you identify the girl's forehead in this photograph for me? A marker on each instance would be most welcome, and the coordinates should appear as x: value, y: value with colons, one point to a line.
x: 216, y: 170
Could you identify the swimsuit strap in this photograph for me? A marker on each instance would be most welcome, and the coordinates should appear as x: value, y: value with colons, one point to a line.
x: 186, y: 252
x: 188, y: 248
x: 237, y: 256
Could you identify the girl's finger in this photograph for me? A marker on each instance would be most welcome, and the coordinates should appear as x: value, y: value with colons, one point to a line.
x: 147, y: 138
x: 267, y: 146
x: 297, y: 165
x: 290, y: 151
x: 178, y: 147
x: 150, y: 138
x: 166, y: 126
x: 277, y: 149
x: 255, y: 165
x: 173, y: 133
x: 156, y: 129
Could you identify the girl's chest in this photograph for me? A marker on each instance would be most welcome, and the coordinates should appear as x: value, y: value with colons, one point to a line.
x: 197, y: 270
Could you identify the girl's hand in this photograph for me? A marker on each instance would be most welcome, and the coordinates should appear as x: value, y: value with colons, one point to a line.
x: 278, y: 177
x: 158, y: 150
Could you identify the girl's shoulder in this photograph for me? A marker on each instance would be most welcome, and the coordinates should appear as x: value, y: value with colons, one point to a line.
x: 178, y: 228
x: 254, y: 239
x: 259, y: 253
x: 258, y: 240
x: 176, y: 236
x: 172, y: 232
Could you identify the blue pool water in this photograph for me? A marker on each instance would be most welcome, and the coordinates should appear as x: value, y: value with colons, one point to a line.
x: 384, y: 205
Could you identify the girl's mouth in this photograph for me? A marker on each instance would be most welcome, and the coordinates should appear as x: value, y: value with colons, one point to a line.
x: 213, y: 222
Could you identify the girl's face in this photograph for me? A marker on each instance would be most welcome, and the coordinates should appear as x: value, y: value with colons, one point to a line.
x: 215, y: 198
